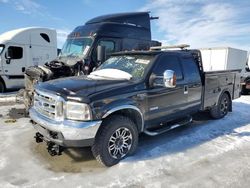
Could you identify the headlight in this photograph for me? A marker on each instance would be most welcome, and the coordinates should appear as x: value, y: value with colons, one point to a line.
x: 59, y: 110
x: 77, y: 111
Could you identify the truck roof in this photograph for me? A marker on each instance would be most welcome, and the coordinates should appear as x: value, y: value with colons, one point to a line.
x: 21, y: 36
x: 134, y: 25
x: 153, y: 52
x: 108, y: 29
x: 141, y: 19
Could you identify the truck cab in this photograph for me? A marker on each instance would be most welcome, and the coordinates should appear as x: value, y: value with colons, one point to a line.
x: 79, y: 55
x: 116, y: 32
x: 23, y: 48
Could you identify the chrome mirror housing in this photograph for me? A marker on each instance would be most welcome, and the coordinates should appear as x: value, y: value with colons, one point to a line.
x: 169, y: 79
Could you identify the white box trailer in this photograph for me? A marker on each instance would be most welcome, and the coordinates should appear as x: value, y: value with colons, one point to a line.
x: 22, y: 48
x: 224, y: 58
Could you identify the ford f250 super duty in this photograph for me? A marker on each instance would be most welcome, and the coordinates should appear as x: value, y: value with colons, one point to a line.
x: 133, y: 92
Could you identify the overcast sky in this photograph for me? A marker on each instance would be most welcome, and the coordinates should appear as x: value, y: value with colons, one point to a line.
x: 200, y: 23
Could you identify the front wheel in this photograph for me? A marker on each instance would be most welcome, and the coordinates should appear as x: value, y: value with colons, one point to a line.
x: 222, y: 108
x: 116, y: 139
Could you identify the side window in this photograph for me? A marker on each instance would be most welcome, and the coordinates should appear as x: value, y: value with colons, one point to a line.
x: 16, y: 52
x: 45, y: 37
x: 169, y: 62
x: 110, y: 45
x: 191, y: 70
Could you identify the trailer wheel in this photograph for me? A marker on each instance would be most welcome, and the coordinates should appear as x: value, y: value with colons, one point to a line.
x: 244, y: 90
x: 222, y: 108
x: 2, y: 88
x: 116, y: 139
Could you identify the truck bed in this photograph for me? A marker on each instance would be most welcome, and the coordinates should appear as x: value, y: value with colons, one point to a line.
x: 216, y: 82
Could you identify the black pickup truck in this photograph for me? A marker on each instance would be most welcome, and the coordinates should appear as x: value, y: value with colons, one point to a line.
x: 133, y: 92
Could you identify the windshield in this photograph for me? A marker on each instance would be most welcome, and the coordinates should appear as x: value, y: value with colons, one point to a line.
x: 76, y: 47
x: 1, y: 48
x: 135, y: 65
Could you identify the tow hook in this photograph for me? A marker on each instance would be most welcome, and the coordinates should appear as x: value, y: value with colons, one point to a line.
x: 38, y: 137
x: 54, y: 149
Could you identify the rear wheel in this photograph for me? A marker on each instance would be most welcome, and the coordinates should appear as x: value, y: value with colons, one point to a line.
x: 244, y: 90
x: 222, y: 108
x: 2, y: 89
x: 116, y: 139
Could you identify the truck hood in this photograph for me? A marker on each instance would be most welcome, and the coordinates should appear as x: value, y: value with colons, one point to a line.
x: 81, y: 86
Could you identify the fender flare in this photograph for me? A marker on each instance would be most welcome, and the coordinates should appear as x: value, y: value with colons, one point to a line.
x: 126, y: 107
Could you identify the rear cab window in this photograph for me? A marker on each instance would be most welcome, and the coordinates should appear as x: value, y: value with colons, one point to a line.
x: 191, y: 70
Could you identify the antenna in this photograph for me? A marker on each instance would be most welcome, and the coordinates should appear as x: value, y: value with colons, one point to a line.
x: 181, y: 46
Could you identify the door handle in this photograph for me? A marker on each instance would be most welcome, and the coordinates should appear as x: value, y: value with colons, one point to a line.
x: 185, y: 89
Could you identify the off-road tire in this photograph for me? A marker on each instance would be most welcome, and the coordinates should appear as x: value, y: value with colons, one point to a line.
x: 100, y: 149
x: 222, y: 108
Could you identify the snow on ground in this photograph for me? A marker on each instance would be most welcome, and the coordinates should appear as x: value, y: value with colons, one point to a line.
x: 208, y: 153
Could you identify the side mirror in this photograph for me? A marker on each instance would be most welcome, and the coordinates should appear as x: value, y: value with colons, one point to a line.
x: 169, y: 79
x: 101, y: 54
x: 9, y: 54
x: 58, y: 51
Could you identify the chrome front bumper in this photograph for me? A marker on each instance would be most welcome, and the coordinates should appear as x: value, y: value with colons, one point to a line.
x: 67, y: 132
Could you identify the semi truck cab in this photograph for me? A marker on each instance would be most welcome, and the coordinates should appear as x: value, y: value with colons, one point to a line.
x: 22, y: 48
x: 79, y: 55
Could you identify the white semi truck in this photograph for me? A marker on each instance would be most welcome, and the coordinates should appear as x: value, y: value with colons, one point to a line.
x: 22, y: 48
x: 226, y: 58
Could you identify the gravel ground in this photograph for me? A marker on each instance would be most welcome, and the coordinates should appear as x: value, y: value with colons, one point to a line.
x: 208, y: 153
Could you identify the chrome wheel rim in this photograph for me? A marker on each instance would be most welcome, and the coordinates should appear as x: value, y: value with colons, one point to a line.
x: 120, y: 143
x: 224, y: 106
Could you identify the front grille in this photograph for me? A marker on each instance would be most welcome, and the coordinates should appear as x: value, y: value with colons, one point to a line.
x: 47, y: 104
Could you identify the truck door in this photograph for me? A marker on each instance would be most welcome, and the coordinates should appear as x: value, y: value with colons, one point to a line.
x: 166, y: 103
x: 111, y: 45
x: 15, y: 66
x: 194, y: 86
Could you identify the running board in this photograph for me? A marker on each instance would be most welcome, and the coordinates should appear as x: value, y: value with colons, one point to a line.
x: 168, y: 128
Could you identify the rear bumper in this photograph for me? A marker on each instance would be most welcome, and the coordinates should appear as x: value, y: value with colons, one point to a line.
x: 66, y: 133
